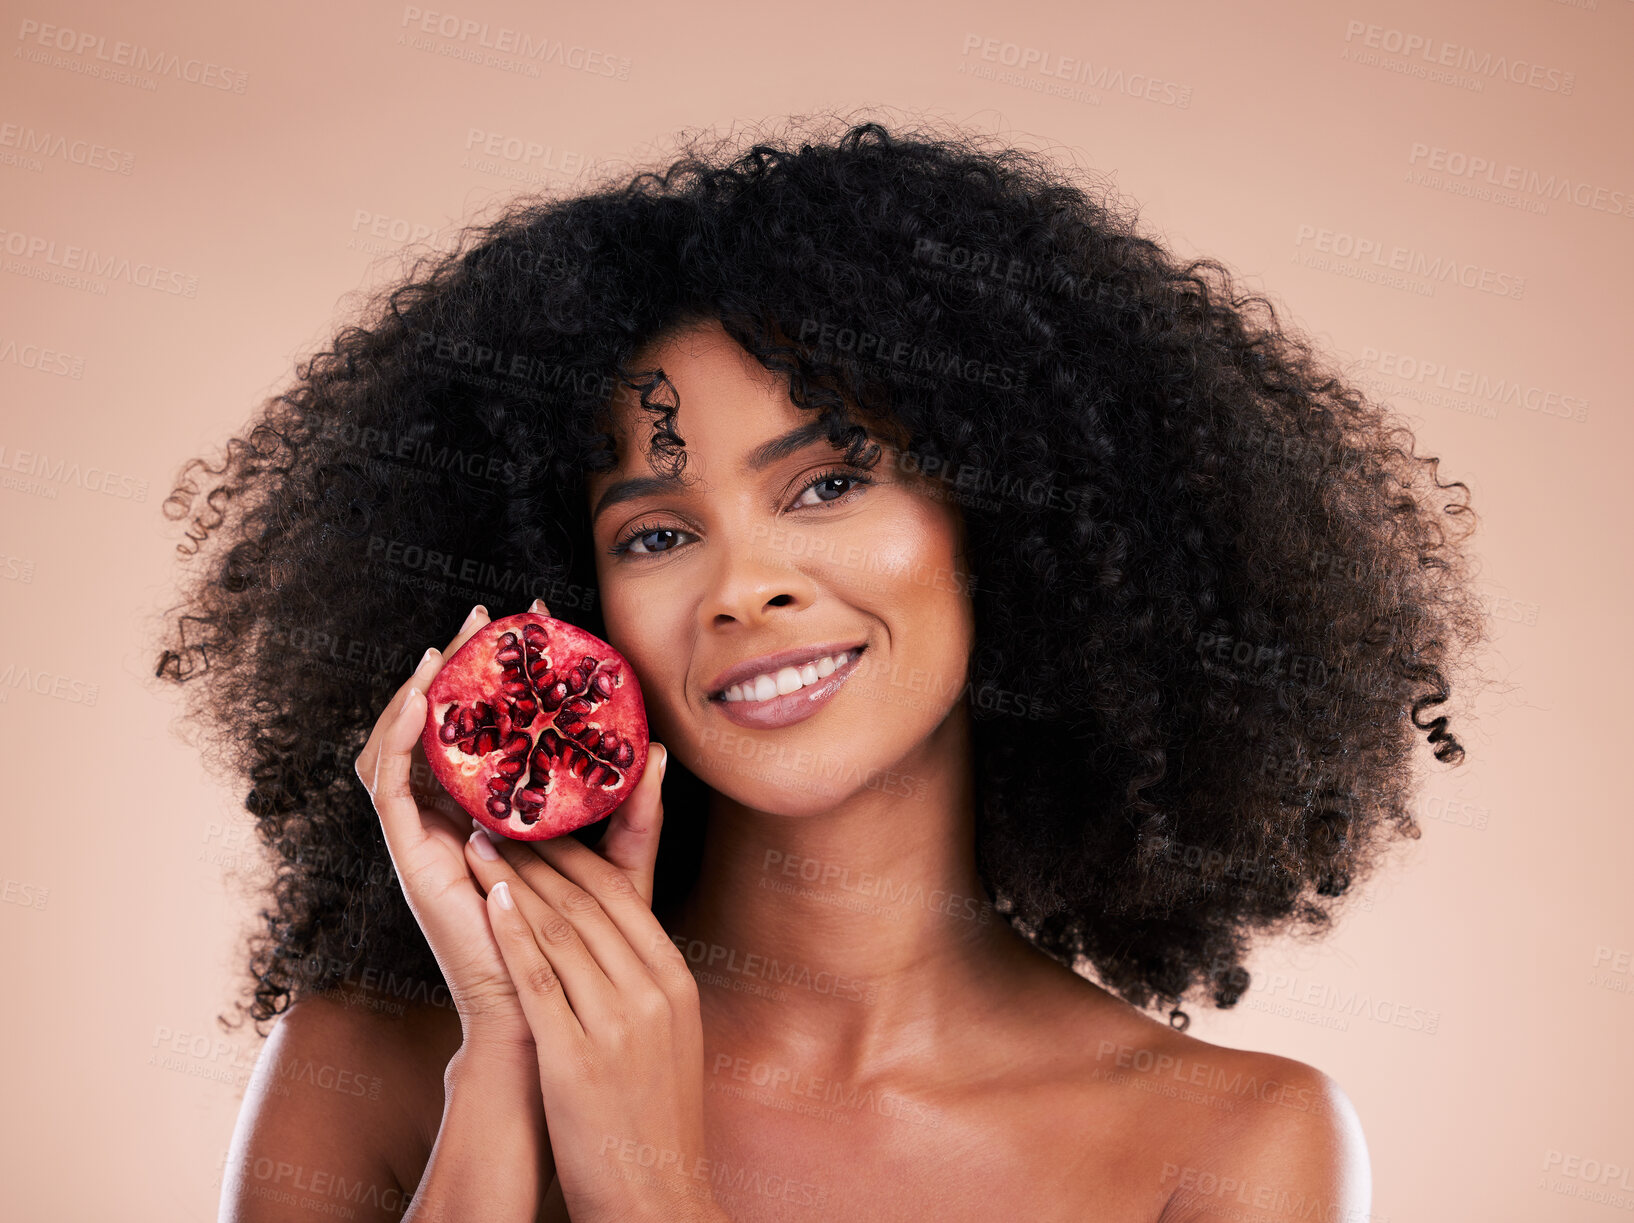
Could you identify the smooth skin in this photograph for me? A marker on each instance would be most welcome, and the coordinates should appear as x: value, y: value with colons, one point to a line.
x: 857, y: 1035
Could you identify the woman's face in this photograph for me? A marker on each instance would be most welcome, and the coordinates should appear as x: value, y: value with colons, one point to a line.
x: 777, y: 548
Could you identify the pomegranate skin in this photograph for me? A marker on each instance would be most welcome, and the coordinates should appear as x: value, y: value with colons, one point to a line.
x: 535, y: 727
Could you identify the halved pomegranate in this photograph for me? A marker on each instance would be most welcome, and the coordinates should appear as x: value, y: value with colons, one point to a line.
x: 536, y: 727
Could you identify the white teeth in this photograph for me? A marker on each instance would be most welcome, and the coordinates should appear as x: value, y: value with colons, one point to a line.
x: 787, y: 679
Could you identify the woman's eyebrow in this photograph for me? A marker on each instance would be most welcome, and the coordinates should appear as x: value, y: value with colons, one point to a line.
x: 758, y: 459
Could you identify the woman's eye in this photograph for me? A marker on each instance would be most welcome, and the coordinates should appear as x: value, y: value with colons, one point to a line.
x: 851, y: 482
x: 638, y: 542
x: 647, y: 540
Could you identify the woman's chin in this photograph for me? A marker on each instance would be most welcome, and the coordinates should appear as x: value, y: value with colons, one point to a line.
x: 784, y: 792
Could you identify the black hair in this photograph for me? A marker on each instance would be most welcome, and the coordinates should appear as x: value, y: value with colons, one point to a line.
x: 1229, y: 592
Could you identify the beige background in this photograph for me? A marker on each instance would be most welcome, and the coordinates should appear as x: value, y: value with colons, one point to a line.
x: 1268, y: 139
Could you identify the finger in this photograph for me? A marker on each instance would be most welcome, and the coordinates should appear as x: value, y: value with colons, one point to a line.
x: 393, y: 798
x: 368, y: 760
x: 538, y: 605
x: 495, y: 858
x: 431, y: 662
x: 475, y: 620
x: 631, y: 840
x: 434, y: 799
x: 386, y: 771
x: 624, y: 892
x: 538, y: 988
x: 590, y: 991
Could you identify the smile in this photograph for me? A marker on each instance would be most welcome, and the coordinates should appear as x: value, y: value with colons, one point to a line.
x: 789, y: 694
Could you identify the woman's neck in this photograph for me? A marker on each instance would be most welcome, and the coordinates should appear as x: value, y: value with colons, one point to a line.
x: 854, y: 937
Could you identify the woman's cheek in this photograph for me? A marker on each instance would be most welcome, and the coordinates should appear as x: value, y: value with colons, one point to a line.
x: 647, y: 631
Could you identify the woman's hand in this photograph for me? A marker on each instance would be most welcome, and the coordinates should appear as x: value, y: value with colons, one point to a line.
x: 613, y: 1009
x: 428, y: 851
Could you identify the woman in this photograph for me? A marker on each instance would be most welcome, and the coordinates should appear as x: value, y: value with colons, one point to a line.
x: 1130, y: 612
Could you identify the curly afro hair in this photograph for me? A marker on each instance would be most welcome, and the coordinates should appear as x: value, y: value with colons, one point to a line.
x: 1232, y: 586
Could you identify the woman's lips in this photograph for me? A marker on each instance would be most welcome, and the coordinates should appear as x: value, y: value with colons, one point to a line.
x: 790, y: 708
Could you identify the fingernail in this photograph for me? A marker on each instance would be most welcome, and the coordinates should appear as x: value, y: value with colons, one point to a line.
x: 663, y: 761
x: 427, y: 657
x: 404, y: 714
x: 471, y: 616
x: 537, y: 605
x: 484, y: 847
x: 502, y: 893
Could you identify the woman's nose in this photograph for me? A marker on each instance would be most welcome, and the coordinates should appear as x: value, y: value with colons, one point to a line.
x: 751, y: 581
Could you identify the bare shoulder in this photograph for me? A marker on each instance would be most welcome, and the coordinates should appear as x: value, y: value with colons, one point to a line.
x: 1293, y: 1148
x: 341, y: 1110
x: 1241, y: 1130
x: 1192, y: 1131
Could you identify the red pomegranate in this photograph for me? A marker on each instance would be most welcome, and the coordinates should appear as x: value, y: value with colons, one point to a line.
x: 536, y: 727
